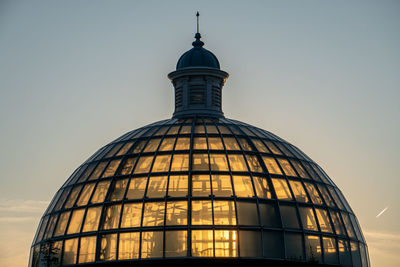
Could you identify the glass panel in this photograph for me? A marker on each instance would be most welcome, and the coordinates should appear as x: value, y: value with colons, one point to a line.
x: 201, y: 212
x: 336, y: 198
x: 92, y: 219
x: 300, y: 170
x: 70, y: 251
x: 224, y: 213
x: 250, y: 244
x: 100, y: 192
x: 330, y: 253
x: 136, y: 189
x: 226, y: 243
x: 127, y: 167
x: 152, y: 145
x: 162, y: 130
x: 273, y: 148
x: 245, y: 145
x: 325, y: 194
x: 247, y: 213
x: 254, y: 163
x: 178, y: 186
x: 157, y: 186
x: 118, y: 191
x: 199, y: 143
x: 218, y: 162
x: 356, y: 227
x: 111, y: 168
x: 98, y: 171
x: 199, y: 129
x: 128, y: 246
x: 311, y: 172
x: 139, y: 146
x: 111, y: 217
x: 339, y: 228
x: 260, y: 145
x: 153, y: 214
x: 167, y: 144
x: 224, y: 130
x: 72, y: 197
x: 201, y: 185
x: 284, y: 149
x: 294, y: 246
x: 298, y: 191
x: 108, y: 247
x: 349, y: 227
x: 215, y: 143
x: 42, y: 228
x: 308, y: 218
x: 355, y: 254
x: 222, y: 185
x: 243, y: 186
x: 186, y: 129
x: 269, y: 215
x: 62, y: 223
x: 56, y: 252
x: 287, y: 168
x: 202, y: 243
x: 289, y: 216
x: 152, y: 244
x: 76, y: 221
x: 173, y: 130
x: 144, y: 164
x: 211, y: 129
x: 273, y: 244
x: 62, y: 199
x: 50, y: 227
x: 200, y: 162
x: 271, y: 165
x: 183, y: 143
x: 180, y: 162
x: 237, y: 163
x: 323, y: 220
x: 313, y: 248
x: 175, y: 243
x: 87, y: 249
x: 281, y: 189
x: 231, y: 144
x: 124, y: 149
x: 176, y: 213
x: 344, y: 252
x: 132, y: 215
x: 85, y: 195
x: 314, y: 195
x: 113, y: 150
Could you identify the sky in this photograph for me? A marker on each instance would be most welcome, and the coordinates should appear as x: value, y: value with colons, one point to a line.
x: 323, y: 75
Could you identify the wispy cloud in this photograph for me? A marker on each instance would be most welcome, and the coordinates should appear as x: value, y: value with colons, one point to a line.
x: 22, y: 205
x: 380, y: 213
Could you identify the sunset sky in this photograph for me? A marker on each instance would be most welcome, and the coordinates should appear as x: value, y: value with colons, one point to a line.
x: 323, y: 75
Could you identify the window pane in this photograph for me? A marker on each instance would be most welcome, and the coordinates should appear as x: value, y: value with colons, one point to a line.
x: 118, y: 191
x: 269, y: 215
x: 111, y: 168
x: 180, y: 162
x: 124, y: 149
x: 176, y: 213
x: 298, y: 191
x: 167, y: 144
x: 88, y: 171
x: 202, y: 243
x: 336, y: 198
x: 111, y: 217
x: 261, y: 186
x: 247, y: 213
x: 300, y: 170
x: 152, y: 244
x: 201, y: 212
x: 294, y: 246
x: 199, y: 143
x: 273, y: 244
x: 215, y: 143
x: 245, y: 145
x: 211, y: 129
x: 128, y: 246
x: 136, y: 189
x: 344, y: 252
x: 254, y: 163
x: 323, y: 219
x: 92, y: 219
x: 281, y: 189
x: 127, y: 166
x: 337, y: 223
x: 218, y: 162
x: 271, y: 165
x: 87, y: 249
x: 162, y: 130
x: 330, y: 253
x: 273, y: 148
x: 161, y: 164
x: 144, y: 164
x: 199, y: 129
x: 70, y: 251
x: 183, y: 143
x: 313, y: 248
x: 260, y: 146
x: 100, y: 192
x: 62, y: 199
x: 201, y: 185
x: 186, y: 129
x: 85, y: 195
x: 132, y: 215
x: 289, y: 216
x: 76, y: 221
x: 139, y: 146
x: 62, y: 223
x: 173, y: 130
x: 226, y: 243
x: 153, y: 214
x: 231, y: 144
x: 287, y: 168
x: 200, y: 162
x: 175, y: 243
x: 314, y: 195
x: 224, y: 130
x: 152, y: 145
x: 108, y: 247
x: 250, y: 244
x: 237, y: 163
x: 308, y: 218
x: 243, y: 186
x: 224, y: 213
x: 222, y: 185
x: 157, y: 186
x: 355, y: 254
x: 72, y: 197
x: 98, y: 171
x: 178, y: 186
x: 325, y: 194
x: 349, y: 227
x: 50, y: 227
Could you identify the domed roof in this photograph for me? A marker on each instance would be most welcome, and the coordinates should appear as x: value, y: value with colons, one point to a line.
x: 198, y: 57
x: 199, y: 188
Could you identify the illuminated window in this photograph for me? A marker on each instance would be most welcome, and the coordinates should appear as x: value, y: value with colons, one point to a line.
x: 62, y: 199
x: 92, y: 219
x: 314, y: 195
x: 273, y: 148
x: 124, y: 149
x: 323, y: 219
x: 108, y: 247
x: 199, y: 143
x: 50, y: 227
x: 250, y: 243
x: 157, y: 186
x: 183, y: 143
x: 254, y: 163
x: 313, y: 248
x: 287, y: 168
x: 199, y: 129
x: 144, y: 164
x: 271, y: 165
x: 308, y: 218
x: 281, y: 189
x: 111, y: 217
x: 337, y: 223
x: 127, y: 167
x: 153, y: 214
x: 300, y: 170
x: 202, y: 243
x: 298, y: 191
x: 111, y: 168
x: 152, y: 244
x: 289, y: 216
x: 136, y: 189
x: 152, y: 145
x: 161, y: 163
x: 355, y: 254
x: 178, y: 186
x: 176, y: 213
x: 128, y: 246
x: 245, y: 145
x: 132, y: 215
x: 201, y: 212
x: 201, y: 185
x: 325, y: 194
x: 222, y: 185
x: 344, y: 252
x: 180, y: 162
x: 167, y: 144
x: 237, y: 163
x: 186, y: 129
x: 118, y: 191
x: 139, y: 147
x: 211, y: 129
x: 200, y: 162
x: 226, y: 244
x: 330, y: 252
x: 218, y: 162
x: 85, y: 195
x: 231, y: 144
x: 261, y: 186
x: 70, y: 251
x: 347, y: 223
x: 247, y: 213
x: 72, y: 197
x: 173, y: 130
x: 224, y: 213
x: 260, y: 145
x: 98, y: 171
x: 215, y: 143
x: 87, y: 249
x: 62, y: 223
x: 243, y: 186
x: 162, y: 130
x: 76, y: 221
x: 100, y: 192
x: 175, y: 243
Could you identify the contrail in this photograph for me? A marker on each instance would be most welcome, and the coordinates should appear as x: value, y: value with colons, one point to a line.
x: 380, y: 213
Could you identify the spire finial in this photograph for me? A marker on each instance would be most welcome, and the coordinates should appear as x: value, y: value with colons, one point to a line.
x: 197, y: 36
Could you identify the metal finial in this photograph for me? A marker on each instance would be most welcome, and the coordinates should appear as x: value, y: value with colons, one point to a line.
x: 197, y: 36
x: 197, y: 15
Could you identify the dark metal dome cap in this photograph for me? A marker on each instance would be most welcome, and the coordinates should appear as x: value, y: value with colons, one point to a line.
x: 198, y: 57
